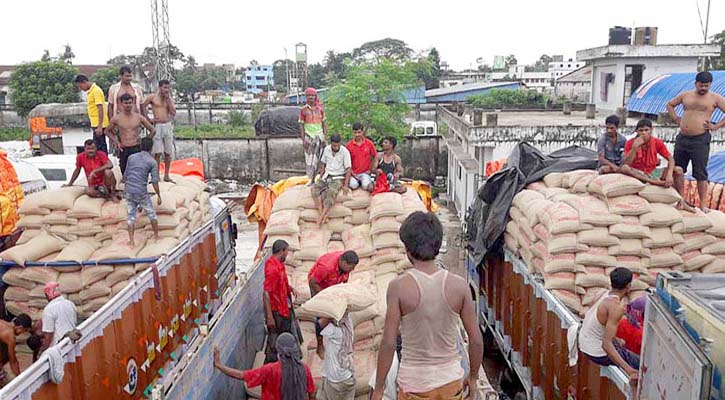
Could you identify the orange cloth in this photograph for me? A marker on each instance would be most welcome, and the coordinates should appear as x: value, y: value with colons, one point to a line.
x: 451, y: 391
x: 11, y: 195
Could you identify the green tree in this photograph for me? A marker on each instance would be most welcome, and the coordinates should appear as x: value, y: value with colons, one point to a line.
x: 718, y: 63
x: 316, y: 75
x: 434, y: 58
x: 511, y: 60
x: 46, y: 56
x: 67, y: 55
x: 335, y: 63
x: 496, y: 98
x: 190, y: 81
x: 279, y: 69
x: 42, y: 82
x: 372, y: 93
x: 106, y: 77
x: 485, y: 68
x: 391, y: 49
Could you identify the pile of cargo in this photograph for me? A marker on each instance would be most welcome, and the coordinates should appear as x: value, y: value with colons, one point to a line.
x: 66, y: 226
x: 573, y: 228
x: 368, y: 225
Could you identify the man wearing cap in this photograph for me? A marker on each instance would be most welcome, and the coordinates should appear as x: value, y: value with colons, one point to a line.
x: 313, y: 131
x: 59, y: 316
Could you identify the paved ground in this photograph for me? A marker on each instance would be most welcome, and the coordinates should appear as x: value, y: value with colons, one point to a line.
x: 553, y: 118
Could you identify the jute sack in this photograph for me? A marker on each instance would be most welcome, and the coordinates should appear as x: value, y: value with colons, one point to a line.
x: 630, y: 205
x: 63, y: 198
x: 634, y: 263
x: 553, y: 193
x: 596, y: 256
x: 334, y: 301
x: 120, y: 247
x: 313, y: 244
x: 662, y: 237
x: 94, y: 273
x: 40, y: 275
x: 31, y: 221
x: 541, y: 233
x: 592, y: 210
x: 535, y: 209
x: 386, y: 205
x: 16, y: 293
x: 386, y: 255
x: 383, y: 225
x: 157, y: 248
x: 85, y: 229
x: 171, y: 221
x: 33, y: 204
x: 694, y: 260
x: 593, y: 277
x: 118, y: 287
x: 525, y: 197
x: 284, y: 222
x: 404, y: 264
x: 120, y: 273
x: 37, y: 292
x: 630, y: 228
x: 339, y: 211
x: 388, y: 239
x: 364, y: 278
x: 570, y: 299
x: 36, y: 248
x: 599, y: 237
x: 59, y: 217
x: 112, y: 213
x: 663, y: 258
x: 629, y: 247
x: 565, y: 262
x: 27, y: 235
x: 70, y: 282
x: 511, y: 242
x: 614, y: 185
x: 358, y: 239
x: 662, y: 215
x: 292, y: 240
x: 717, y: 218
x: 94, y: 291
x: 335, y: 245
x: 659, y: 194
x: 337, y: 225
x: 17, y: 308
x: 592, y: 295
x: 310, y: 215
x: 554, y: 179
x: 694, y: 241
x: 539, y: 249
x: 170, y: 202
x: 86, y: 207
x: 562, y: 218
x: 560, y: 280
x: 582, y: 184
x: 537, y: 186
x: 715, y: 248
x: 716, y: 266
x: 565, y: 243
x: 360, y: 200
x: 358, y: 217
x: 570, y: 178
x: 692, y: 222
x: 516, y: 215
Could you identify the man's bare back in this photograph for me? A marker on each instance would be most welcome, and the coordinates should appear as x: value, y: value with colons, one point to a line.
x: 161, y: 108
x: 129, y: 125
x: 698, y: 110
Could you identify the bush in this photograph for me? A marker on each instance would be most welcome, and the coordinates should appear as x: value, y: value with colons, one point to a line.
x: 42, y: 82
x: 499, y: 98
x: 237, y: 119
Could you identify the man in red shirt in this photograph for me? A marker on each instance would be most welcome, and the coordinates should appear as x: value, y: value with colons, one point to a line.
x: 277, y: 298
x: 288, y: 378
x: 99, y: 172
x: 362, y: 154
x: 641, y: 160
x: 330, y: 269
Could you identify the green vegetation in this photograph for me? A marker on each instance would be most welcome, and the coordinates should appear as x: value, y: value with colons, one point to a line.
x: 14, y: 134
x: 499, y: 98
x: 42, y: 82
x: 106, y: 77
x: 213, y: 131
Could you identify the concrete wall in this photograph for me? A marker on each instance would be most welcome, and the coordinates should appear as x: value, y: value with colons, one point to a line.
x: 270, y: 159
x: 11, y: 119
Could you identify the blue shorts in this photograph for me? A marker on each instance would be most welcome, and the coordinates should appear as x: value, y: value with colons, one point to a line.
x: 139, y: 200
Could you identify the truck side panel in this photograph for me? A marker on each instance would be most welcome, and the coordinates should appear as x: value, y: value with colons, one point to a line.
x: 532, y: 332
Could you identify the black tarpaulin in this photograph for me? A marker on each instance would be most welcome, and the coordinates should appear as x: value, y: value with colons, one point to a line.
x: 487, y: 217
x: 278, y: 121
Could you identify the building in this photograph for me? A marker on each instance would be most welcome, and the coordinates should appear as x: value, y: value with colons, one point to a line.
x: 576, y: 85
x: 618, y: 70
x: 462, y: 92
x: 653, y: 95
x: 259, y: 78
x: 7, y: 70
x: 451, y: 79
x: 559, y: 68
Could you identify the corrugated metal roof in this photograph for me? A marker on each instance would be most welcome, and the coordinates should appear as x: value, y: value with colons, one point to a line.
x: 583, y: 74
x: 652, y: 96
x: 466, y: 88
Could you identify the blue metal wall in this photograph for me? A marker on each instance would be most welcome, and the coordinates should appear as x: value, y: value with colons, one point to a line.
x: 652, y: 96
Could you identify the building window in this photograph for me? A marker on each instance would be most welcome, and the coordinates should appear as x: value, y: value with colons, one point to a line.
x: 568, y: 66
x: 249, y: 86
x: 260, y: 78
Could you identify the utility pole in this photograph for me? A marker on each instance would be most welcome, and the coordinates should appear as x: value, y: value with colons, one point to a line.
x: 161, y: 39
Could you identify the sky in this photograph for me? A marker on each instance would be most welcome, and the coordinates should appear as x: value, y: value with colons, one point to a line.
x: 227, y: 31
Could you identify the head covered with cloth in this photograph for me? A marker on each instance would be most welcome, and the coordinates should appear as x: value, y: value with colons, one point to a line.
x: 294, y: 377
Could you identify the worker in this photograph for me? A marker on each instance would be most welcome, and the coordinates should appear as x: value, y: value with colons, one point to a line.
x: 334, y: 170
x: 164, y: 110
x: 330, y: 269
x: 693, y: 141
x: 598, y: 331
x: 610, y: 146
x: 140, y: 166
x: 389, y: 164
x: 97, y: 110
x: 338, y: 377
x: 99, y: 172
x: 313, y: 131
x: 641, y: 159
x: 128, y: 124
x: 59, y: 316
x: 9, y: 331
x: 125, y: 85
x: 630, y: 328
x: 362, y: 156
x: 425, y: 304
x: 391, y: 387
x: 287, y: 379
x: 277, y: 297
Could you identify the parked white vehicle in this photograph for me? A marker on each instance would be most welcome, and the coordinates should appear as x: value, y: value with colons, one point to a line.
x: 58, y: 168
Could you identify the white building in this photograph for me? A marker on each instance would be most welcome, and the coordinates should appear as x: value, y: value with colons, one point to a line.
x: 576, y: 85
x: 558, y: 69
x: 618, y: 70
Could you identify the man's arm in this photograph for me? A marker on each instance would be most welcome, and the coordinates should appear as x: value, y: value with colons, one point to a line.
x: 145, y: 105
x: 145, y: 122
x: 321, y: 169
x: 111, y: 132
x: 231, y: 372
x: 671, y: 107
x: 12, y: 357
x: 73, y: 177
x: 604, y: 162
x: 101, y: 115
x: 314, y: 287
x: 47, y: 340
x: 630, y: 155
x: 348, y: 173
x: 475, y: 340
x: 398, y: 167
x: 268, y: 310
x: 614, y: 315
x: 721, y: 105
x: 171, y: 106
x: 390, y: 339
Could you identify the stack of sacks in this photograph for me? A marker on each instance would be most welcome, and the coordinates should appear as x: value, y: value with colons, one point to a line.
x: 66, y: 225
x: 574, y: 228
x: 367, y: 224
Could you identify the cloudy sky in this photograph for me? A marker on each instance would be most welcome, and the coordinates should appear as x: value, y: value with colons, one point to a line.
x: 227, y: 31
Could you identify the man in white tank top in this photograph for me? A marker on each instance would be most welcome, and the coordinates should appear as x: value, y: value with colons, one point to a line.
x: 597, y: 336
x: 425, y: 305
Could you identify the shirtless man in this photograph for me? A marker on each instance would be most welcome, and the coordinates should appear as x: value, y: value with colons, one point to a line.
x: 693, y: 142
x: 164, y: 110
x: 125, y: 86
x: 128, y: 124
x: 8, y: 333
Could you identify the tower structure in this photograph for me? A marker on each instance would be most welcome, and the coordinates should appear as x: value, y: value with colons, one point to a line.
x: 160, y: 33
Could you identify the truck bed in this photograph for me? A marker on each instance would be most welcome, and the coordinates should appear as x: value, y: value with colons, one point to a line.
x: 530, y: 326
